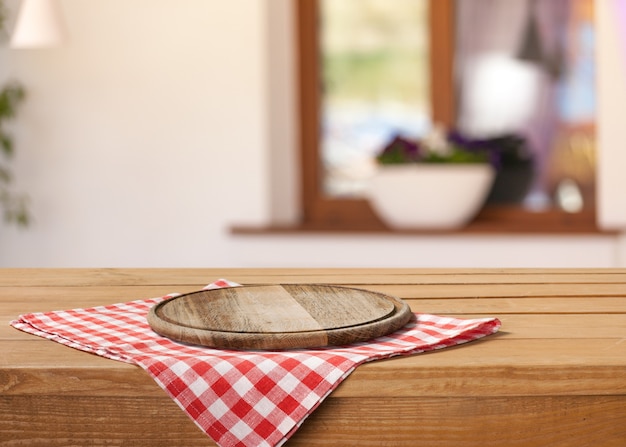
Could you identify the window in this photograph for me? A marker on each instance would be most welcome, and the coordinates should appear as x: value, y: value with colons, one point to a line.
x: 325, y: 209
x: 375, y: 83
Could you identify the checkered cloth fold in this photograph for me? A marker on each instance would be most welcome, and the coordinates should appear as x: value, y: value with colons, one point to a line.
x: 239, y: 398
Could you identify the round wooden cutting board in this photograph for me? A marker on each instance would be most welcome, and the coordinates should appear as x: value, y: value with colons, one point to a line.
x: 286, y: 316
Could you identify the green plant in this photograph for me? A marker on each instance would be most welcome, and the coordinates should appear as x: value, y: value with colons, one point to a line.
x: 3, y: 16
x: 438, y: 147
x: 505, y: 150
x: 14, y: 206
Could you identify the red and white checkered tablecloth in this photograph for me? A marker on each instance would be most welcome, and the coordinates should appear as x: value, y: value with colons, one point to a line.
x: 239, y: 398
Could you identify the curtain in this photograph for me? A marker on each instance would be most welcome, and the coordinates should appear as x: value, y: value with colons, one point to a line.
x: 510, y: 56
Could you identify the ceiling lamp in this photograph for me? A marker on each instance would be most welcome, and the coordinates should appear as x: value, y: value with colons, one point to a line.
x: 39, y: 24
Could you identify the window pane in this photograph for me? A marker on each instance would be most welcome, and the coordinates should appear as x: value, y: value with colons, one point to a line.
x: 526, y: 67
x: 375, y: 84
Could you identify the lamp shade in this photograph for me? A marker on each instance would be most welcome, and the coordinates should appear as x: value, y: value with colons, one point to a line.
x: 39, y: 24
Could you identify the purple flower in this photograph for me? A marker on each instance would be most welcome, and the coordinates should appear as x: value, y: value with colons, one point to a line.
x: 400, y: 150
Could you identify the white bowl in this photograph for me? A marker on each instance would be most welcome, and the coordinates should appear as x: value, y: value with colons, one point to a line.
x: 427, y: 195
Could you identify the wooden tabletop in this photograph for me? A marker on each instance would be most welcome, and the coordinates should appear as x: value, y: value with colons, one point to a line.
x: 554, y: 375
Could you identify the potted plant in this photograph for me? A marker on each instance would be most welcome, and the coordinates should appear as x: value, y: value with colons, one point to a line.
x: 440, y: 182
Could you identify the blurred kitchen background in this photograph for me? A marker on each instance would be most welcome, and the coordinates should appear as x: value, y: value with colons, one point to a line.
x: 158, y: 126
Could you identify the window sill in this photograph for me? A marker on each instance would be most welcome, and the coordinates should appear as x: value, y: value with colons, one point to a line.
x: 493, y: 220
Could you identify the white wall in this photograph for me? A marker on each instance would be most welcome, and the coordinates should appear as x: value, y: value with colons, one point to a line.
x: 611, y: 91
x: 163, y: 122
x: 144, y: 136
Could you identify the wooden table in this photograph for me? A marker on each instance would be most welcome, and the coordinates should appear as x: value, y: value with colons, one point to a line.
x: 555, y: 375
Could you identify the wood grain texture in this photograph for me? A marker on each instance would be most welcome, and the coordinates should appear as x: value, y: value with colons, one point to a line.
x: 278, y: 316
x: 64, y: 421
x: 488, y: 422
x: 198, y: 277
x: 554, y: 375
